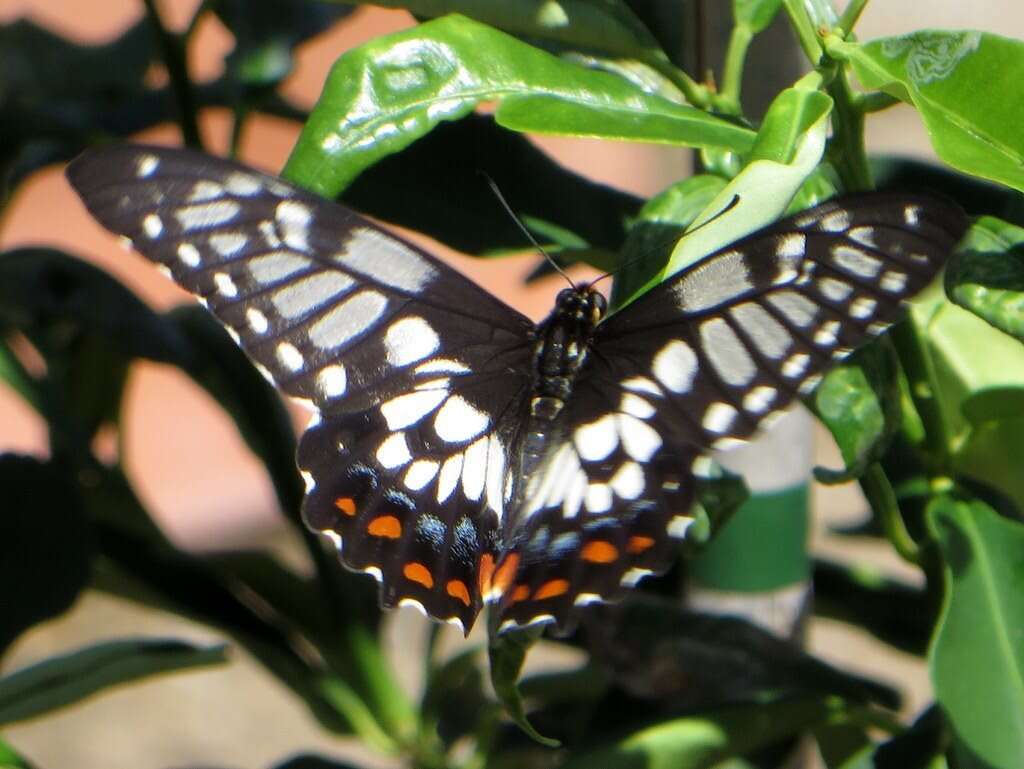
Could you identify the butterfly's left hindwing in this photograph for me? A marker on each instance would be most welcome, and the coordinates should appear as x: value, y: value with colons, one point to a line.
x: 415, y: 371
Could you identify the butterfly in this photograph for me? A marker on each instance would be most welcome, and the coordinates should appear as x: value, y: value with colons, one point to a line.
x: 464, y: 455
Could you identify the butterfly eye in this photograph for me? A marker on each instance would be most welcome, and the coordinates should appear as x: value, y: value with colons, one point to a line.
x: 598, y: 306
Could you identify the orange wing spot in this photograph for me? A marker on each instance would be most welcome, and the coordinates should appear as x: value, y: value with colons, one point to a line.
x: 457, y: 589
x: 600, y: 551
x: 486, y: 573
x: 521, y: 593
x: 638, y: 543
x: 417, y: 572
x: 385, y: 526
x: 504, y: 574
x: 347, y: 505
x: 551, y: 589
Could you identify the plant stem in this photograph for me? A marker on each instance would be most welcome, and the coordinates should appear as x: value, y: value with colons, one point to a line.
x: 851, y: 15
x: 172, y: 48
x: 732, y: 74
x: 876, y: 101
x: 806, y: 35
x: 882, y: 499
x: 846, y: 149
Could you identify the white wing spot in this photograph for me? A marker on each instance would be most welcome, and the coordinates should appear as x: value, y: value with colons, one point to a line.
x: 863, y: 307
x: 675, y: 366
x: 310, y: 293
x: 245, y: 185
x: 420, y: 473
x: 893, y: 281
x: 760, y: 399
x: 442, y: 366
x: 145, y: 165
x: 393, y: 452
x: 808, y: 385
x: 293, y: 220
x: 277, y: 265
x: 227, y: 244
x: 796, y: 365
x: 574, y: 492
x: 628, y: 481
x: 877, y: 328
x: 636, y: 406
x: 641, y: 384
x: 225, y: 285
x: 153, y: 226
x: 835, y: 290
x: 798, y: 309
x: 409, y: 408
x: 309, y: 480
x: 639, y: 439
x: 386, y: 260
x: 863, y: 235
x: 206, y: 215
x: 911, y: 215
x: 828, y: 334
x: 856, y: 261
x: 290, y: 357
x: 204, y: 190
x: 598, y: 498
x: 791, y: 246
x: 449, y: 477
x: 596, y: 440
x: 347, y: 320
x: 495, y: 476
x: 718, y: 418
x: 837, y: 221
x: 726, y: 352
x: 712, y: 282
x: 189, y: 255
x: 269, y: 233
x: 474, y: 470
x: 410, y: 340
x: 257, y: 320
x: 679, y: 525
x: 458, y: 420
x: 332, y: 380
x: 633, y: 576
x: 768, y: 335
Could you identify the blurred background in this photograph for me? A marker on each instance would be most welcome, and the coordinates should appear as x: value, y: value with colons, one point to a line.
x: 193, y: 472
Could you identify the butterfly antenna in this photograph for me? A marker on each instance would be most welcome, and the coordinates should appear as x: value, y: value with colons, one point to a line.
x: 524, y: 229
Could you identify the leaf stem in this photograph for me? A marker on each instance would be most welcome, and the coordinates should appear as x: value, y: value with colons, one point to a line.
x: 846, y: 148
x: 172, y: 48
x: 806, y: 34
x: 732, y: 74
x: 851, y: 15
x: 882, y: 498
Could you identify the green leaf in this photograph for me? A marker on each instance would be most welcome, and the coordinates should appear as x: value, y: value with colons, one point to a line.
x: 607, y: 26
x: 507, y: 652
x: 755, y: 14
x: 70, y: 678
x: 977, y: 656
x: 972, y: 128
x: 384, y: 95
x: 987, y: 276
x: 46, y: 544
x: 11, y: 759
x: 859, y: 402
x: 702, y: 741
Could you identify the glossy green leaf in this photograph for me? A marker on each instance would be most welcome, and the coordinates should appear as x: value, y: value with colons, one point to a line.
x: 507, y: 652
x: 974, y: 129
x: 46, y: 544
x: 755, y: 14
x: 977, y: 655
x: 384, y: 95
x: 859, y: 402
x: 790, y: 116
x: 70, y: 678
x: 702, y: 741
x: 987, y: 277
x: 608, y: 26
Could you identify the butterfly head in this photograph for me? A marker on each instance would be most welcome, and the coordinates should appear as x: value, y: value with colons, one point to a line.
x: 582, y: 304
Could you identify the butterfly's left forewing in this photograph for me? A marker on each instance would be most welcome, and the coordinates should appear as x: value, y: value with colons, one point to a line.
x: 699, y: 363
x: 418, y: 376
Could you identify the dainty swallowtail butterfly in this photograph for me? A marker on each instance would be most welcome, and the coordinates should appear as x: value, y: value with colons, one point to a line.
x: 463, y: 454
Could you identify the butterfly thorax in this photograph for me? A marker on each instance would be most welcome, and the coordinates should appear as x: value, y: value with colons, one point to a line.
x: 563, y: 341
